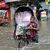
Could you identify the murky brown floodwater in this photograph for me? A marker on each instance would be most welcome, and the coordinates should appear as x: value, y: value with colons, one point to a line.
x: 8, y: 43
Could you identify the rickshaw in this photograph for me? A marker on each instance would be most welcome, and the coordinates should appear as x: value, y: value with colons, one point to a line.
x: 24, y: 26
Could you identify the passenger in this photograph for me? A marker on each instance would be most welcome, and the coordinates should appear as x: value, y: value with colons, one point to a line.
x: 33, y: 29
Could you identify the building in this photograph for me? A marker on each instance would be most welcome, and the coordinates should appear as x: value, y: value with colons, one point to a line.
x: 5, y: 7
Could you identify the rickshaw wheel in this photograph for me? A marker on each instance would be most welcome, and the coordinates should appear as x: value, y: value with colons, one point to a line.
x: 35, y: 39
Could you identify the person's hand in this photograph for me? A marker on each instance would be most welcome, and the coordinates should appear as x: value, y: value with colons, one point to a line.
x: 30, y: 27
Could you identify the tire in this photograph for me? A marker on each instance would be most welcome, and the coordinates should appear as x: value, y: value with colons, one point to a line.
x: 36, y: 38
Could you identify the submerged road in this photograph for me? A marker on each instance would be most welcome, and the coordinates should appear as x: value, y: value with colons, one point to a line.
x: 7, y: 41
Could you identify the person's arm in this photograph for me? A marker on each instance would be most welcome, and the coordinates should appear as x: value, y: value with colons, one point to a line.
x: 36, y: 21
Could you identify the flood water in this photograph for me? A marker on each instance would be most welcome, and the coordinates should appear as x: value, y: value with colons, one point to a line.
x: 8, y: 43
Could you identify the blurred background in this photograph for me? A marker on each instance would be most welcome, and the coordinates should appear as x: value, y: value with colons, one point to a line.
x: 7, y: 11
